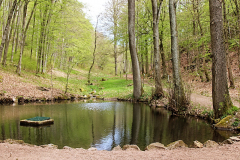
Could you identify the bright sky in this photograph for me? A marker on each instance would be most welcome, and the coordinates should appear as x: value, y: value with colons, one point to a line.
x: 94, y: 8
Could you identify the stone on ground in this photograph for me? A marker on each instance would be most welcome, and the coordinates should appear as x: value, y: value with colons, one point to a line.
x: 92, y: 149
x: 118, y: 148
x: 197, y: 144
x: 50, y: 146
x: 210, y: 144
x: 131, y: 147
x: 155, y: 146
x: 228, y: 141
x: 235, y: 138
x: 176, y: 144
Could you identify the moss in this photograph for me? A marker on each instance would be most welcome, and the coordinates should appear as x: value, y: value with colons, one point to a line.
x: 226, y: 123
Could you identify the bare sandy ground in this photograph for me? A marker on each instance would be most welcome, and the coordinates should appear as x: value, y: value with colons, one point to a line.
x: 24, y: 152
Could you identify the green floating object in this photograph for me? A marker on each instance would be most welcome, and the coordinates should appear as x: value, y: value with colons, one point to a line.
x: 37, y: 121
x: 38, y: 118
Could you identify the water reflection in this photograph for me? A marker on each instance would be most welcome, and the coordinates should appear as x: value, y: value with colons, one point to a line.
x: 103, y: 125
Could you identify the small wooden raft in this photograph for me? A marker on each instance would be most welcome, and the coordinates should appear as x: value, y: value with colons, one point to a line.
x: 37, y: 121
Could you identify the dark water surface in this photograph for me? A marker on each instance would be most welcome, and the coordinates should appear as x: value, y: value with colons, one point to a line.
x: 103, y: 125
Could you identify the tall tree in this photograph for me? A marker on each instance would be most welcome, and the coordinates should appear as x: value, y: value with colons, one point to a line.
x: 24, y: 31
x: 8, y: 39
x: 161, y: 34
x: 137, y: 88
x: 220, y: 94
x: 94, y: 50
x: 229, y: 67
x: 156, y: 8
x: 7, y: 27
x: 178, y: 99
x: 236, y: 2
x: 112, y: 15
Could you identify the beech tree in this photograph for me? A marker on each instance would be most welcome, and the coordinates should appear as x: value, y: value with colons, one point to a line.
x: 7, y: 27
x: 137, y: 86
x: 156, y: 8
x: 178, y: 99
x: 112, y: 15
x: 220, y: 94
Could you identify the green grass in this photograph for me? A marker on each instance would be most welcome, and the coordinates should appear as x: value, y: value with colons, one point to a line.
x: 113, y: 87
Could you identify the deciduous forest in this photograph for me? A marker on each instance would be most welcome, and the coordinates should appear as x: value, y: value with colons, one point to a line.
x: 176, y: 63
x: 149, y: 39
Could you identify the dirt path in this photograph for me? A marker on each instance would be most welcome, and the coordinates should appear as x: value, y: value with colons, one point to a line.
x: 204, y: 101
x: 23, y: 152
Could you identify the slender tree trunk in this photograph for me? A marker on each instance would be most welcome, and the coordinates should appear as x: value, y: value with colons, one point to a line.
x: 156, y: 15
x: 194, y: 20
x: 178, y: 99
x: 41, y: 40
x: 6, y: 30
x: 94, y: 56
x: 1, y: 3
x: 34, y: 23
x: 24, y: 32
x: 115, y: 35
x: 164, y: 67
x: 146, y: 57
x: 229, y: 67
x: 8, y: 40
x: 125, y: 58
x: 220, y: 94
x: 137, y: 88
x: 238, y: 18
x: 23, y: 36
x: 15, y: 38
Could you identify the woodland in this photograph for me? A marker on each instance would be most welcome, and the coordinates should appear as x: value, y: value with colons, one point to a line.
x: 144, y: 38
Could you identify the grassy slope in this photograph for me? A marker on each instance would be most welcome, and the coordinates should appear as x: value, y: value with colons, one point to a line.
x: 113, y: 87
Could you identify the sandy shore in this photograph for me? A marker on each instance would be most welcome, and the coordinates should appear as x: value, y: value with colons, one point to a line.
x: 24, y: 152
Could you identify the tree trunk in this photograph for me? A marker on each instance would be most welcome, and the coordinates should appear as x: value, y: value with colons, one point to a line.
x: 8, y: 40
x: 220, y: 94
x: 164, y: 67
x: 1, y: 3
x: 156, y: 15
x: 6, y: 30
x: 34, y: 23
x: 24, y: 32
x: 15, y: 38
x: 95, y: 47
x: 229, y: 67
x: 23, y: 36
x: 178, y: 99
x: 137, y: 88
x: 238, y: 17
x: 115, y: 35
x: 146, y: 57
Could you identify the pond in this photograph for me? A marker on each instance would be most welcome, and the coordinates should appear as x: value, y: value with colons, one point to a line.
x: 103, y: 125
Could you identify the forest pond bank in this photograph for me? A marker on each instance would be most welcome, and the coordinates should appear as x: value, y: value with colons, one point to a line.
x: 104, y: 125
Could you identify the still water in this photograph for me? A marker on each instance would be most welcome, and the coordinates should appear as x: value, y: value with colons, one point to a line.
x: 103, y: 125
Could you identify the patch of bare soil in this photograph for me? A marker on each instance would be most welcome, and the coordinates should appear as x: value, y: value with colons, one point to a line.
x: 14, y: 86
x: 25, y: 152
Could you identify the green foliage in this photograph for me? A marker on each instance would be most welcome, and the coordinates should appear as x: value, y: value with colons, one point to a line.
x: 208, y: 112
x: 236, y: 122
x: 230, y: 111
